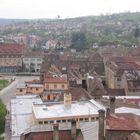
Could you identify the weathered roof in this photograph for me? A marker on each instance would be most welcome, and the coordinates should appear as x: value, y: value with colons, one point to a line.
x: 55, y: 80
x: 11, y: 49
x: 123, y: 121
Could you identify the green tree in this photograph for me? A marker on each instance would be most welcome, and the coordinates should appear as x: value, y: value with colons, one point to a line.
x: 78, y: 41
x: 2, y: 117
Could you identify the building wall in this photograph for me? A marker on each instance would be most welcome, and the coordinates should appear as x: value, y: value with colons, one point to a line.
x: 112, y: 81
x: 10, y: 63
x: 32, y: 64
x: 128, y: 92
x: 35, y: 90
x: 110, y: 78
x: 56, y: 86
x: 118, y: 135
x: 65, y: 120
x: 21, y: 91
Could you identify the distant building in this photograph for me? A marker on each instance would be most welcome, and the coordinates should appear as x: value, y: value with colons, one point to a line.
x: 32, y: 61
x: 131, y: 83
x: 11, y: 58
x: 114, y: 70
x: 30, y: 89
x: 120, y: 126
x: 30, y: 118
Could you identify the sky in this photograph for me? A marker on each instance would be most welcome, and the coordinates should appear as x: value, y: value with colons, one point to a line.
x: 30, y: 9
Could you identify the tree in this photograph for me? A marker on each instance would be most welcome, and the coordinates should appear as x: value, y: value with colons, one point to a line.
x: 2, y: 117
x: 78, y: 41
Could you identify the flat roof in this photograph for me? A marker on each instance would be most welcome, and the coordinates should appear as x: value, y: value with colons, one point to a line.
x: 21, y: 113
x: 42, y: 111
x: 124, y: 97
x: 29, y: 85
x: 128, y: 110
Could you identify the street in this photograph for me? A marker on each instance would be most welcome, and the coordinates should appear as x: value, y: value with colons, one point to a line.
x: 6, y: 95
x: 9, y: 91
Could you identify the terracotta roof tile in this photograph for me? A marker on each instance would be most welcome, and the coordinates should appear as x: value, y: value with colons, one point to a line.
x: 123, y: 121
x: 11, y: 49
x: 55, y: 80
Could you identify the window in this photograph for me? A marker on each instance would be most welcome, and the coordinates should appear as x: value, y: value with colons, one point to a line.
x: 45, y: 122
x: 92, y: 119
x: 51, y: 121
x: 63, y: 86
x: 55, y: 86
x: 20, y: 90
x: 63, y: 121
x: 58, y: 121
x: 97, y: 118
x: 39, y: 59
x: 40, y: 122
x: 25, y: 59
x: 81, y: 119
x: 86, y: 119
x: 37, y: 89
x: 32, y: 59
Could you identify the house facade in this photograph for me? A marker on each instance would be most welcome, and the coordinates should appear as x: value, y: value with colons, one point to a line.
x: 32, y: 61
x: 11, y: 58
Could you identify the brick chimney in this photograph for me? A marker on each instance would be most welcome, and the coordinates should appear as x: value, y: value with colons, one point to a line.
x: 101, y: 124
x: 73, y: 129
x: 55, y: 132
x: 112, y: 104
x: 67, y: 99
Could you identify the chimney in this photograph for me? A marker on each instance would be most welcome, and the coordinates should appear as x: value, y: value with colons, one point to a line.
x: 67, y: 99
x: 112, y: 104
x: 101, y: 124
x: 107, y: 112
x: 73, y: 129
x: 55, y: 132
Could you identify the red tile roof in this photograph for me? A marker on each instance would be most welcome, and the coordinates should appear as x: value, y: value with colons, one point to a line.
x: 55, y: 80
x: 123, y: 121
x: 11, y: 49
x: 34, y: 54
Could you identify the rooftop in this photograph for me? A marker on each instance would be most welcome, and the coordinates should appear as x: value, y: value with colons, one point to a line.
x: 128, y: 110
x: 11, y: 49
x: 42, y: 111
x: 123, y: 121
x: 55, y: 80
x: 21, y: 109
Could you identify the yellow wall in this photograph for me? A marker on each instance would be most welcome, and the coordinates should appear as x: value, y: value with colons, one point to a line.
x: 35, y: 90
x: 51, y: 86
x: 21, y: 91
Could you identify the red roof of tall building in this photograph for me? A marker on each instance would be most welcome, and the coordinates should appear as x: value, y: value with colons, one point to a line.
x: 11, y: 49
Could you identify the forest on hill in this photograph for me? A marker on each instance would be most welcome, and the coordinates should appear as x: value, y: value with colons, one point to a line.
x: 82, y: 32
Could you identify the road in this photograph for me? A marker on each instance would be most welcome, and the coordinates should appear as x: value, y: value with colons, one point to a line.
x: 9, y: 91
x: 6, y: 95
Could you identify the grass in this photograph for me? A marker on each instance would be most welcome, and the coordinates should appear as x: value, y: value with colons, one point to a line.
x: 3, y: 83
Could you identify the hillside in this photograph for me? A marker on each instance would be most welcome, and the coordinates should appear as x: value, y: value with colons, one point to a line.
x: 123, y: 29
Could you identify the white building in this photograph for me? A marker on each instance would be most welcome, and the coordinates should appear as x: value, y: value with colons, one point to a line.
x: 32, y: 61
x: 28, y: 112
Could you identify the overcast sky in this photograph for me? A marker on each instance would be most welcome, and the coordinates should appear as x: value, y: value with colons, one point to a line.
x: 64, y: 8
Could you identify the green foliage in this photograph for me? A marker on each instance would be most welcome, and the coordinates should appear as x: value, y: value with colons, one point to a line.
x: 2, y: 117
x: 78, y: 41
x: 3, y: 83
